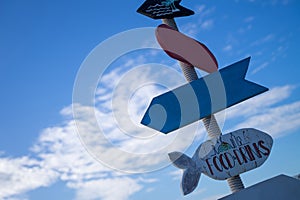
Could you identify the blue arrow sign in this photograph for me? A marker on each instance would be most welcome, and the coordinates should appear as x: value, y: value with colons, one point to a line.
x: 201, y: 98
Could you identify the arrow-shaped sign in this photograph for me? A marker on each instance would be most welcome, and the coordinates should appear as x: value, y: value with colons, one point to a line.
x: 164, y: 9
x: 201, y: 98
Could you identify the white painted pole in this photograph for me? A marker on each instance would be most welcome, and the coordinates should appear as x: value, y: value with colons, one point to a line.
x: 210, y: 123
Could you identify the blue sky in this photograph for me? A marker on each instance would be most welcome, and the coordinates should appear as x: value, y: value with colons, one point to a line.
x: 42, y: 47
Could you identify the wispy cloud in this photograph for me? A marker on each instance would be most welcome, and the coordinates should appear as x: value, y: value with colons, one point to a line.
x: 266, y: 112
x: 59, y: 154
x: 276, y: 2
x: 190, y: 29
x: 205, y: 21
x: 176, y: 174
x: 249, y: 19
x: 265, y: 39
x: 108, y: 189
x: 260, y: 67
x: 19, y: 175
x: 207, y: 24
x: 227, y: 48
x: 244, y: 29
x: 277, y: 121
x: 269, y: 2
x: 246, y: 25
x: 261, y: 102
x: 200, y: 8
x: 205, y: 11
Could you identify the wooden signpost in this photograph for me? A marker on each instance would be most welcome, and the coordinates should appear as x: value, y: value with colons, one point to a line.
x: 222, y: 157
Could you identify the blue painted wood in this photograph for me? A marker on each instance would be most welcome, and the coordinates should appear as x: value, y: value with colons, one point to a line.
x: 201, y: 98
x: 164, y: 9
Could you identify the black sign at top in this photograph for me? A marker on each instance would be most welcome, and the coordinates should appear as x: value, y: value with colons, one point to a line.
x: 162, y: 9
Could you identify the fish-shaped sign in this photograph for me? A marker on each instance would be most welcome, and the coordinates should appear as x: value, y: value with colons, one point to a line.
x: 164, y: 9
x: 223, y: 157
x: 201, y: 98
x: 185, y: 49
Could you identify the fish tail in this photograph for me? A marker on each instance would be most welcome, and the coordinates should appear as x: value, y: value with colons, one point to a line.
x: 191, y: 173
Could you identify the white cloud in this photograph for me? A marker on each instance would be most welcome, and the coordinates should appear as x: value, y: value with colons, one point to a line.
x: 276, y: 2
x: 260, y: 103
x: 227, y: 48
x: 61, y: 150
x: 277, y: 121
x: 242, y: 30
x: 190, y: 29
x: 200, y: 8
x: 60, y: 155
x: 205, y: 21
x: 269, y: 2
x: 207, y: 24
x: 265, y: 39
x: 176, y: 174
x: 267, y: 114
x: 19, y: 175
x: 260, y: 67
x: 205, y: 11
x: 108, y: 189
x: 126, y: 107
x: 249, y: 19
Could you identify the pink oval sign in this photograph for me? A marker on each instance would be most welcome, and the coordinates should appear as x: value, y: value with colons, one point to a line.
x: 185, y: 49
